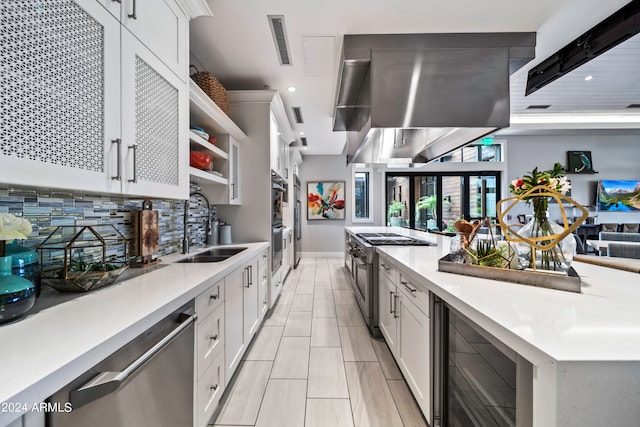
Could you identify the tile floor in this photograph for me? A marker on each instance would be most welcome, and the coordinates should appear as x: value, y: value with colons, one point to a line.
x: 314, y: 364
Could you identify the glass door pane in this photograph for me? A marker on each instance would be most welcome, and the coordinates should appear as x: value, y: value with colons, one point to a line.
x: 398, y: 199
x: 482, y: 197
x: 452, y: 209
x: 426, y: 202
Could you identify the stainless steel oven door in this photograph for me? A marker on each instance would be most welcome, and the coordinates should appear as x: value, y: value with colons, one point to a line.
x: 362, y: 286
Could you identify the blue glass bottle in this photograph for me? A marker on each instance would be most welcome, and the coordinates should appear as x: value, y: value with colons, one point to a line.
x: 17, y: 294
x: 25, y: 263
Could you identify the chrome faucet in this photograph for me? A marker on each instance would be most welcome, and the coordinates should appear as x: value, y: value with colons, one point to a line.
x: 185, y: 240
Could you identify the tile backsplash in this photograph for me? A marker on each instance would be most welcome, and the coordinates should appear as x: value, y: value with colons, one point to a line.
x: 47, y: 209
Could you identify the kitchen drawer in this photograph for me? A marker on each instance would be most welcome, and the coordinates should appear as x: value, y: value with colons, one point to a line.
x: 419, y: 297
x: 210, y: 339
x: 209, y: 389
x: 386, y: 268
x: 209, y: 300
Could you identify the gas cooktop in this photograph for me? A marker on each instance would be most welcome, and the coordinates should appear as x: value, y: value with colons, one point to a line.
x: 392, y: 239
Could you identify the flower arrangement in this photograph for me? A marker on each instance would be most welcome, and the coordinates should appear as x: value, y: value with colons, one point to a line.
x: 11, y: 228
x: 534, y: 188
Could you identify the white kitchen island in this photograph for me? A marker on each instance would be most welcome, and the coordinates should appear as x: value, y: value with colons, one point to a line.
x: 585, y: 348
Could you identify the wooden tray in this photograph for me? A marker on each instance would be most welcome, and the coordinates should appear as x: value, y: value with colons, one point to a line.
x: 563, y: 282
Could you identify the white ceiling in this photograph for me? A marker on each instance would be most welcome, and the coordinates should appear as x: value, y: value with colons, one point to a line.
x: 236, y: 45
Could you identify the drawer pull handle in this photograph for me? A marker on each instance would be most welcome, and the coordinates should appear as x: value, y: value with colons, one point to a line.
x: 213, y: 337
x: 214, y: 387
x: 395, y: 306
x: 385, y: 267
x: 214, y: 297
x: 406, y: 285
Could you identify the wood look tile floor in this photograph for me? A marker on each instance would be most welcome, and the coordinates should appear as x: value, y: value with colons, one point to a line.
x: 313, y: 363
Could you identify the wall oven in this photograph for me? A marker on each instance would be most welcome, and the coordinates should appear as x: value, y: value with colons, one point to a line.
x: 276, y: 247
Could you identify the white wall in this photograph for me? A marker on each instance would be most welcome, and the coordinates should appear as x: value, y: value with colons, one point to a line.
x: 613, y: 156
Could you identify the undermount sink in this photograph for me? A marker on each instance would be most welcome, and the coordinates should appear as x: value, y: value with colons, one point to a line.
x: 212, y: 255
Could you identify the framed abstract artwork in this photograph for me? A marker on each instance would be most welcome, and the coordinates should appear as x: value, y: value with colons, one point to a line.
x: 325, y: 199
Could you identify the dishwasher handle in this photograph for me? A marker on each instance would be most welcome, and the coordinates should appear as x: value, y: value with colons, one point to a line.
x: 105, y: 383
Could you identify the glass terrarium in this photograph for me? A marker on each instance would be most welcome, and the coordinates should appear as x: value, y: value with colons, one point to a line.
x: 79, y: 258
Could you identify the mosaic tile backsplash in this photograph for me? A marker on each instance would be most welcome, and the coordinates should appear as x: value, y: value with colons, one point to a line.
x: 47, y: 209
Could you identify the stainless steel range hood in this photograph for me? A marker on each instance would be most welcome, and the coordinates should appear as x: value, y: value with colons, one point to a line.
x: 414, y: 97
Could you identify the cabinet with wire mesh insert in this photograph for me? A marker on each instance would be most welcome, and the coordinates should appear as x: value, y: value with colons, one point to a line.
x: 77, y: 258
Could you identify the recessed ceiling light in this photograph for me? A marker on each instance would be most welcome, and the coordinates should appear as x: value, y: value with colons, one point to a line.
x: 291, y: 89
x: 301, y: 133
x: 588, y: 78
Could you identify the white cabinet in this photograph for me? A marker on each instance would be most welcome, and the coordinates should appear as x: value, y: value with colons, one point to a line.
x: 263, y: 278
x: 222, y: 186
x: 95, y: 109
x: 287, y: 253
x: 210, y: 341
x: 413, y: 353
x: 154, y: 125
x: 242, y: 312
x: 252, y: 304
x: 162, y: 27
x: 404, y: 323
x: 62, y: 103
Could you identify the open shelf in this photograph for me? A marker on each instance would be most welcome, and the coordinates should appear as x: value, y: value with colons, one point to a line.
x: 206, y: 177
x: 199, y: 144
x: 206, y: 114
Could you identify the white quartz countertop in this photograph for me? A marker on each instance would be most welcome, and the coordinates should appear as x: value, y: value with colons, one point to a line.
x: 600, y: 324
x: 50, y: 347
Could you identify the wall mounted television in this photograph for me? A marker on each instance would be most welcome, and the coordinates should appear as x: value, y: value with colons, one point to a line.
x: 618, y: 195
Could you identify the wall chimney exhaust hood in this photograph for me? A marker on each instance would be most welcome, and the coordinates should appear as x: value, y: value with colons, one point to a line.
x: 413, y: 97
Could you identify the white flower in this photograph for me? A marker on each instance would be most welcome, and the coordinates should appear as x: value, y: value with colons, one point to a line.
x: 564, y: 185
x: 12, y: 227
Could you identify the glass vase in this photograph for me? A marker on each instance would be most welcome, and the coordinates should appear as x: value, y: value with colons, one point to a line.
x: 557, y: 258
x: 17, y: 294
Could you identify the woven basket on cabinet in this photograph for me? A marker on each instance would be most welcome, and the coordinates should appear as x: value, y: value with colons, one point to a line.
x: 212, y: 87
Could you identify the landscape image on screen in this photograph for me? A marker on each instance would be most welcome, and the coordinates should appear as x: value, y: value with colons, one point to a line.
x: 618, y: 195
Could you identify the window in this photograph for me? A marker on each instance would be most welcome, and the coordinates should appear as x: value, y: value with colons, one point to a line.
x: 362, y: 200
x: 474, y: 153
x: 434, y: 201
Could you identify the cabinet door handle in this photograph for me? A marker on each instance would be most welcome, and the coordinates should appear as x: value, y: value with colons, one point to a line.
x: 213, y: 337
x: 396, y: 298
x: 133, y: 15
x: 118, y: 175
x: 250, y: 275
x: 385, y: 267
x: 245, y: 274
x: 213, y: 297
x: 134, y: 147
x: 214, y: 387
x: 233, y: 191
x: 391, y: 302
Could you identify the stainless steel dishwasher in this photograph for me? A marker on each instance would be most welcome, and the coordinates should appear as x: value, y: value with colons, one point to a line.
x: 148, y: 382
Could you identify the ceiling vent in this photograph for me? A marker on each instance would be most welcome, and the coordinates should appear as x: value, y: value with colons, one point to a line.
x: 622, y: 25
x: 633, y: 106
x: 538, y: 107
x: 303, y: 140
x: 279, y: 32
x: 297, y: 114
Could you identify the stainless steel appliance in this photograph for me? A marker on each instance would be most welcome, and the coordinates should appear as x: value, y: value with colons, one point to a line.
x: 297, y: 223
x: 276, y: 247
x: 478, y: 381
x: 148, y: 382
x: 364, y: 270
x: 277, y: 198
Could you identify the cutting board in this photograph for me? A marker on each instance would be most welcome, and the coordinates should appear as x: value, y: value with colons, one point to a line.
x: 147, y: 233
